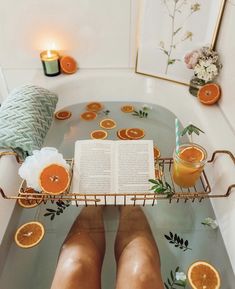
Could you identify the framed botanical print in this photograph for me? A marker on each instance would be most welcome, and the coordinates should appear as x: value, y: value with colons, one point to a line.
x: 171, y: 28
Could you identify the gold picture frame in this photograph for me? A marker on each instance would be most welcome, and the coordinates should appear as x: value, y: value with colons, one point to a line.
x: 139, y: 56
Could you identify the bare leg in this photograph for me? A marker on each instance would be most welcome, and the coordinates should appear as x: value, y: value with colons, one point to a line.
x: 136, y: 252
x: 80, y: 261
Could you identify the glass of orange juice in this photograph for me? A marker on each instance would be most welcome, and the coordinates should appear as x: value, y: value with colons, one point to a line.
x: 188, y: 164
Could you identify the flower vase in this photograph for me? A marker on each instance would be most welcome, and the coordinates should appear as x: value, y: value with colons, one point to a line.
x: 195, y: 84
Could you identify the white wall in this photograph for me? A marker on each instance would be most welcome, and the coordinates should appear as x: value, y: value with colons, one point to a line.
x: 226, y: 47
x: 97, y: 33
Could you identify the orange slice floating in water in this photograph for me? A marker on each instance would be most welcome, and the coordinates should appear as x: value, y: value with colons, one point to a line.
x: 28, y: 202
x: 94, y: 106
x: 63, y: 114
x: 108, y: 123
x: 121, y: 133
x: 156, y: 153
x: 127, y: 108
x: 68, y: 64
x: 209, y: 93
x: 202, y: 275
x: 99, y: 134
x: 192, y: 154
x: 135, y: 133
x: 54, y: 179
x: 88, y: 115
x: 29, y: 234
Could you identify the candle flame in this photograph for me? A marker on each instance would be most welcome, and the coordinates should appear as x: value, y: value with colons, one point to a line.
x: 49, y: 53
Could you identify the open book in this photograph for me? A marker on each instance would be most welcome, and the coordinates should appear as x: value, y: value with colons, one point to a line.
x: 105, y: 166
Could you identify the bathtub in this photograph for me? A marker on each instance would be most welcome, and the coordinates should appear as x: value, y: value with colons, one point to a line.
x: 125, y: 85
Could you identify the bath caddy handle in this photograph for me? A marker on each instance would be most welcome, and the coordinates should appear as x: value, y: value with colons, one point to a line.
x: 201, y: 191
x: 11, y: 153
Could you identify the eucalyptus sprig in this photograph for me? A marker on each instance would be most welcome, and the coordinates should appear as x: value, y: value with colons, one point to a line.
x: 104, y: 112
x: 61, y: 206
x: 177, y: 241
x: 161, y: 187
x: 172, y: 282
x: 142, y: 113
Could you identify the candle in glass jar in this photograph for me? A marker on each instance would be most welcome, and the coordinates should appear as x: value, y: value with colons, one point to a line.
x: 50, y: 62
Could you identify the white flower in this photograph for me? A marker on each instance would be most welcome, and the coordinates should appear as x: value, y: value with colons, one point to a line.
x: 147, y: 107
x: 212, y: 69
x: 210, y: 222
x: 180, y: 276
x: 207, y: 62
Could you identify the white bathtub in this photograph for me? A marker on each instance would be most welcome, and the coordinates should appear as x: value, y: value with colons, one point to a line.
x: 125, y: 85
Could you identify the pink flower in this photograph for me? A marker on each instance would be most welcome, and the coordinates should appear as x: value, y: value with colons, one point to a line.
x: 191, y: 58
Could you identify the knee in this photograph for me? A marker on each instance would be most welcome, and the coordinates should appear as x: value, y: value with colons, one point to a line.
x: 144, y: 272
x: 76, y: 262
x: 79, y: 254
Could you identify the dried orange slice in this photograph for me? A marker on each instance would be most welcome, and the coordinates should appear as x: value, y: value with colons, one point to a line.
x: 29, y: 234
x: 127, y: 108
x: 135, y: 133
x: 209, y: 93
x: 108, y: 123
x: 68, y: 64
x: 88, y: 115
x: 121, y: 133
x: 54, y: 179
x: 28, y: 202
x: 94, y: 106
x: 156, y: 153
x: 192, y: 154
x: 203, y: 275
x: 63, y: 114
x: 99, y: 134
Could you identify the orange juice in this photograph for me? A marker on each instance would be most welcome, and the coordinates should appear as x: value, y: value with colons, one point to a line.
x: 188, y: 164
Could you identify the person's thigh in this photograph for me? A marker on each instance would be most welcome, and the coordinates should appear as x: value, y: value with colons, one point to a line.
x: 139, y: 266
x: 79, y: 265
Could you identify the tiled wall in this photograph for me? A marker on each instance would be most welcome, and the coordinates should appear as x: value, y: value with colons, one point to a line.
x: 98, y: 33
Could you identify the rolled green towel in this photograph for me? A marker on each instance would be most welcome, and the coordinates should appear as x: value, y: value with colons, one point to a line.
x: 25, y: 118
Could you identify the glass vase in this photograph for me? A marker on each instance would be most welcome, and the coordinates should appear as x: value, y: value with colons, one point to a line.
x: 195, y: 84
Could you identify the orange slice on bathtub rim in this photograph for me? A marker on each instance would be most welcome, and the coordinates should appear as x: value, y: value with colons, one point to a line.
x: 29, y: 234
x: 54, y: 179
x: 121, y: 133
x: 68, y: 64
x: 99, y: 134
x: 135, y: 133
x: 94, y: 106
x: 127, y: 108
x: 63, y: 114
x: 108, y: 123
x: 88, y: 115
x: 209, y: 93
x: 192, y: 154
x: 203, y: 275
x: 30, y: 201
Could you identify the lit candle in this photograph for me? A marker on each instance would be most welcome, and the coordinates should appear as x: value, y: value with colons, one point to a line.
x: 50, y: 62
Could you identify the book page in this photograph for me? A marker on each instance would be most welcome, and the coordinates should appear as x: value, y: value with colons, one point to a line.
x: 93, y: 166
x: 134, y: 166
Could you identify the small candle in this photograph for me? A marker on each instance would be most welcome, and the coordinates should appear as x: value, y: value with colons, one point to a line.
x: 50, y: 62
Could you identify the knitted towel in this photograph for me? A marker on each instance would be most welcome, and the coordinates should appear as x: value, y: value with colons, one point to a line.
x: 25, y: 118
